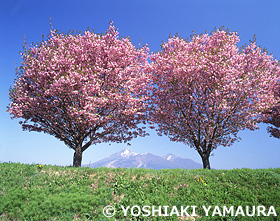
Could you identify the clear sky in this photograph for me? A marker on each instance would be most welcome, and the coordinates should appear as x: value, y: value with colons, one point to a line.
x: 149, y: 21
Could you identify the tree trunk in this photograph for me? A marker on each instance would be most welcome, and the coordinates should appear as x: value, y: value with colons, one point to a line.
x: 77, y: 159
x: 205, y: 160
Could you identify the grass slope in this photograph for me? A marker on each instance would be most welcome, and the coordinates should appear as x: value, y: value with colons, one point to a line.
x: 33, y: 192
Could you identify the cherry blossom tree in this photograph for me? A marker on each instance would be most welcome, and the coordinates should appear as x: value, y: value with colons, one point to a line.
x: 207, y: 89
x: 83, y: 89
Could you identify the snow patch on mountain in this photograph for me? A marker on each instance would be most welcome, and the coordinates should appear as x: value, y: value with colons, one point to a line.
x: 127, y: 153
x: 170, y: 157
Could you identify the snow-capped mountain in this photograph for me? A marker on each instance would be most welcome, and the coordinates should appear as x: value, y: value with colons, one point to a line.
x: 126, y: 158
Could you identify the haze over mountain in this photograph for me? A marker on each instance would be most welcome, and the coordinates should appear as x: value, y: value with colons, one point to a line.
x: 126, y: 158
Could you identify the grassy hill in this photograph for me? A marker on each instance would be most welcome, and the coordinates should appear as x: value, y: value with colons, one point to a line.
x: 36, y: 192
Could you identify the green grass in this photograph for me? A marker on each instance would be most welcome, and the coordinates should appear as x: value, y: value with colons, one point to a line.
x: 30, y: 192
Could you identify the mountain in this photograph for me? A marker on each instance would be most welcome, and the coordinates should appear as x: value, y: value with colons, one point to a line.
x: 126, y: 158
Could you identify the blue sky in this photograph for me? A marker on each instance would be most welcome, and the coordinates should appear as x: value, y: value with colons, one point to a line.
x: 143, y: 20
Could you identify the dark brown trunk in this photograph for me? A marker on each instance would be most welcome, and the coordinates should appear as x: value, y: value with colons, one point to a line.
x: 205, y: 160
x: 77, y: 159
